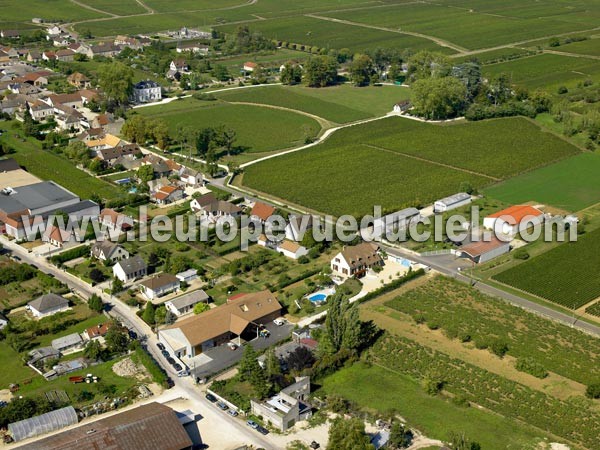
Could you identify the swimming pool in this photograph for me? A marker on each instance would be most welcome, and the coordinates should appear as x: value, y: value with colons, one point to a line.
x: 318, y: 297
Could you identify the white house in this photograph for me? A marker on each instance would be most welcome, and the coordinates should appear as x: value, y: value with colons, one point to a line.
x: 159, y: 285
x: 167, y: 194
x: 187, y: 276
x: 211, y: 209
x: 185, y: 304
x: 514, y: 219
x: 47, y: 305
x: 115, y: 222
x: 108, y: 251
x: 356, y: 260
x: 292, y: 249
x: 57, y: 237
x: 191, y: 177
x: 298, y: 226
x: 261, y: 212
x: 451, y: 202
x: 146, y: 91
x: 130, y: 269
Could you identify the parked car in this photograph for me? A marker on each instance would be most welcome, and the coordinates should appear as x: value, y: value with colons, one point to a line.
x: 170, y: 360
x: 165, y: 353
x: 252, y: 424
x: 222, y: 406
x: 160, y: 346
x: 211, y: 398
x: 279, y: 322
x: 132, y: 334
x: 232, y: 345
x: 183, y: 373
x: 34, y: 266
x: 16, y: 258
x: 177, y: 367
x: 315, y: 445
x: 262, y: 430
x: 232, y: 413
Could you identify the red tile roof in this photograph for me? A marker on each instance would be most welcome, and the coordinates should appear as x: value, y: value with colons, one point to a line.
x: 516, y: 214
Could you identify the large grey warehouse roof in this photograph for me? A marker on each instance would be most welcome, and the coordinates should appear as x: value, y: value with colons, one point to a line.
x: 45, y: 423
x: 34, y: 196
x: 452, y: 199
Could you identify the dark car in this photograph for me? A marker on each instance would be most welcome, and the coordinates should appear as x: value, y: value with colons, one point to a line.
x: 211, y: 398
x: 170, y: 360
x: 222, y: 406
x: 34, y: 266
x: 132, y: 334
x: 262, y: 430
x: 315, y: 445
x: 160, y: 346
x: 16, y: 258
x: 177, y: 367
x: 165, y: 353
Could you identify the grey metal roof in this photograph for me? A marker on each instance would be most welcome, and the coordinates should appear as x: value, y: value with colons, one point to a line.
x: 47, y: 302
x: 8, y: 165
x: 133, y: 264
x: 452, y: 199
x: 189, y: 299
x: 34, y: 196
x: 146, y: 84
x: 45, y: 423
x: 67, y: 341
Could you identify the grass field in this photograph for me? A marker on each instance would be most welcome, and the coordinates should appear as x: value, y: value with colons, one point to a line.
x: 378, y: 389
x: 457, y: 309
x: 566, y: 275
x: 48, y: 166
x: 339, y: 104
x: 322, y: 33
x: 547, y: 71
x: 50, y: 10
x: 259, y: 129
x: 412, y: 163
x: 572, y: 184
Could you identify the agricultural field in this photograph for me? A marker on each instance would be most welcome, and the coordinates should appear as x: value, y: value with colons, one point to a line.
x: 547, y: 71
x: 588, y: 47
x: 496, y: 56
x: 594, y: 309
x: 340, y: 104
x: 117, y: 7
x: 397, y: 162
x: 566, y: 275
x: 50, y: 10
x: 456, y: 308
x: 259, y: 129
x: 310, y: 31
x: 477, y: 29
x: 435, y: 416
x: 49, y: 166
x: 555, y: 185
x: 572, y: 420
x: 191, y: 5
x: 268, y: 59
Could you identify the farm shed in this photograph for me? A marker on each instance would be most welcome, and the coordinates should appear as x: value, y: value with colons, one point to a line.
x: 42, y: 424
x: 387, y: 226
x: 451, y: 202
x: 483, y: 251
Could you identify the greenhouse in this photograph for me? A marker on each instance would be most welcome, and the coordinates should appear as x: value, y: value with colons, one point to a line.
x: 44, y: 423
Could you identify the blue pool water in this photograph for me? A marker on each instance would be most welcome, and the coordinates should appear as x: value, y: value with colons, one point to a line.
x: 317, y: 297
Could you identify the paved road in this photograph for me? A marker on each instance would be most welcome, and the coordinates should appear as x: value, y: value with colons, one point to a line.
x: 132, y: 321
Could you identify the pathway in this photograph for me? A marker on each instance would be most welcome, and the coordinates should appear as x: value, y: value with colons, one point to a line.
x: 91, y: 8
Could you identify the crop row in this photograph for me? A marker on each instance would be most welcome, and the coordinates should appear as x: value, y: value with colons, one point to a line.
x: 569, y: 420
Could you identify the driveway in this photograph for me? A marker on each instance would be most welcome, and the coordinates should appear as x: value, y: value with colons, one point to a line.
x: 222, y: 357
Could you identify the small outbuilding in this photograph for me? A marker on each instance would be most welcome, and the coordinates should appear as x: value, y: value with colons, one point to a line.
x: 484, y: 251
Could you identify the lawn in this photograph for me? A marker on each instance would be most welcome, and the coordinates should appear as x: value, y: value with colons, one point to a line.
x: 310, y: 31
x: 377, y: 389
x: 49, y: 166
x: 259, y: 129
x: 397, y: 162
x: 547, y: 71
x: 341, y: 104
x: 566, y: 275
x: 457, y: 309
x: 571, y: 185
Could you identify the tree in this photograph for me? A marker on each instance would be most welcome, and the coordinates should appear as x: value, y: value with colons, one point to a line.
x: 201, y: 307
x: 458, y: 441
x: 469, y: 74
x: 438, y: 98
x: 149, y: 312
x: 117, y: 286
x: 116, y: 80
x: 170, y: 318
x: 361, y: 70
x: 272, y: 364
x: 145, y: 173
x: 593, y: 390
x: 135, y: 129
x: 160, y: 314
x: 291, y: 74
x: 78, y: 152
x: 299, y: 359
x: 95, y: 303
x: 394, y: 72
x: 250, y: 370
x: 96, y: 166
x: 320, y: 71
x: 400, y: 437
x: 93, y: 350
x: 29, y: 125
x: 426, y: 64
x: 226, y: 138
x: 220, y: 72
x: 116, y: 338
x: 159, y: 131
x: 499, y: 89
x: 342, y: 326
x: 348, y: 435
x: 204, y: 138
